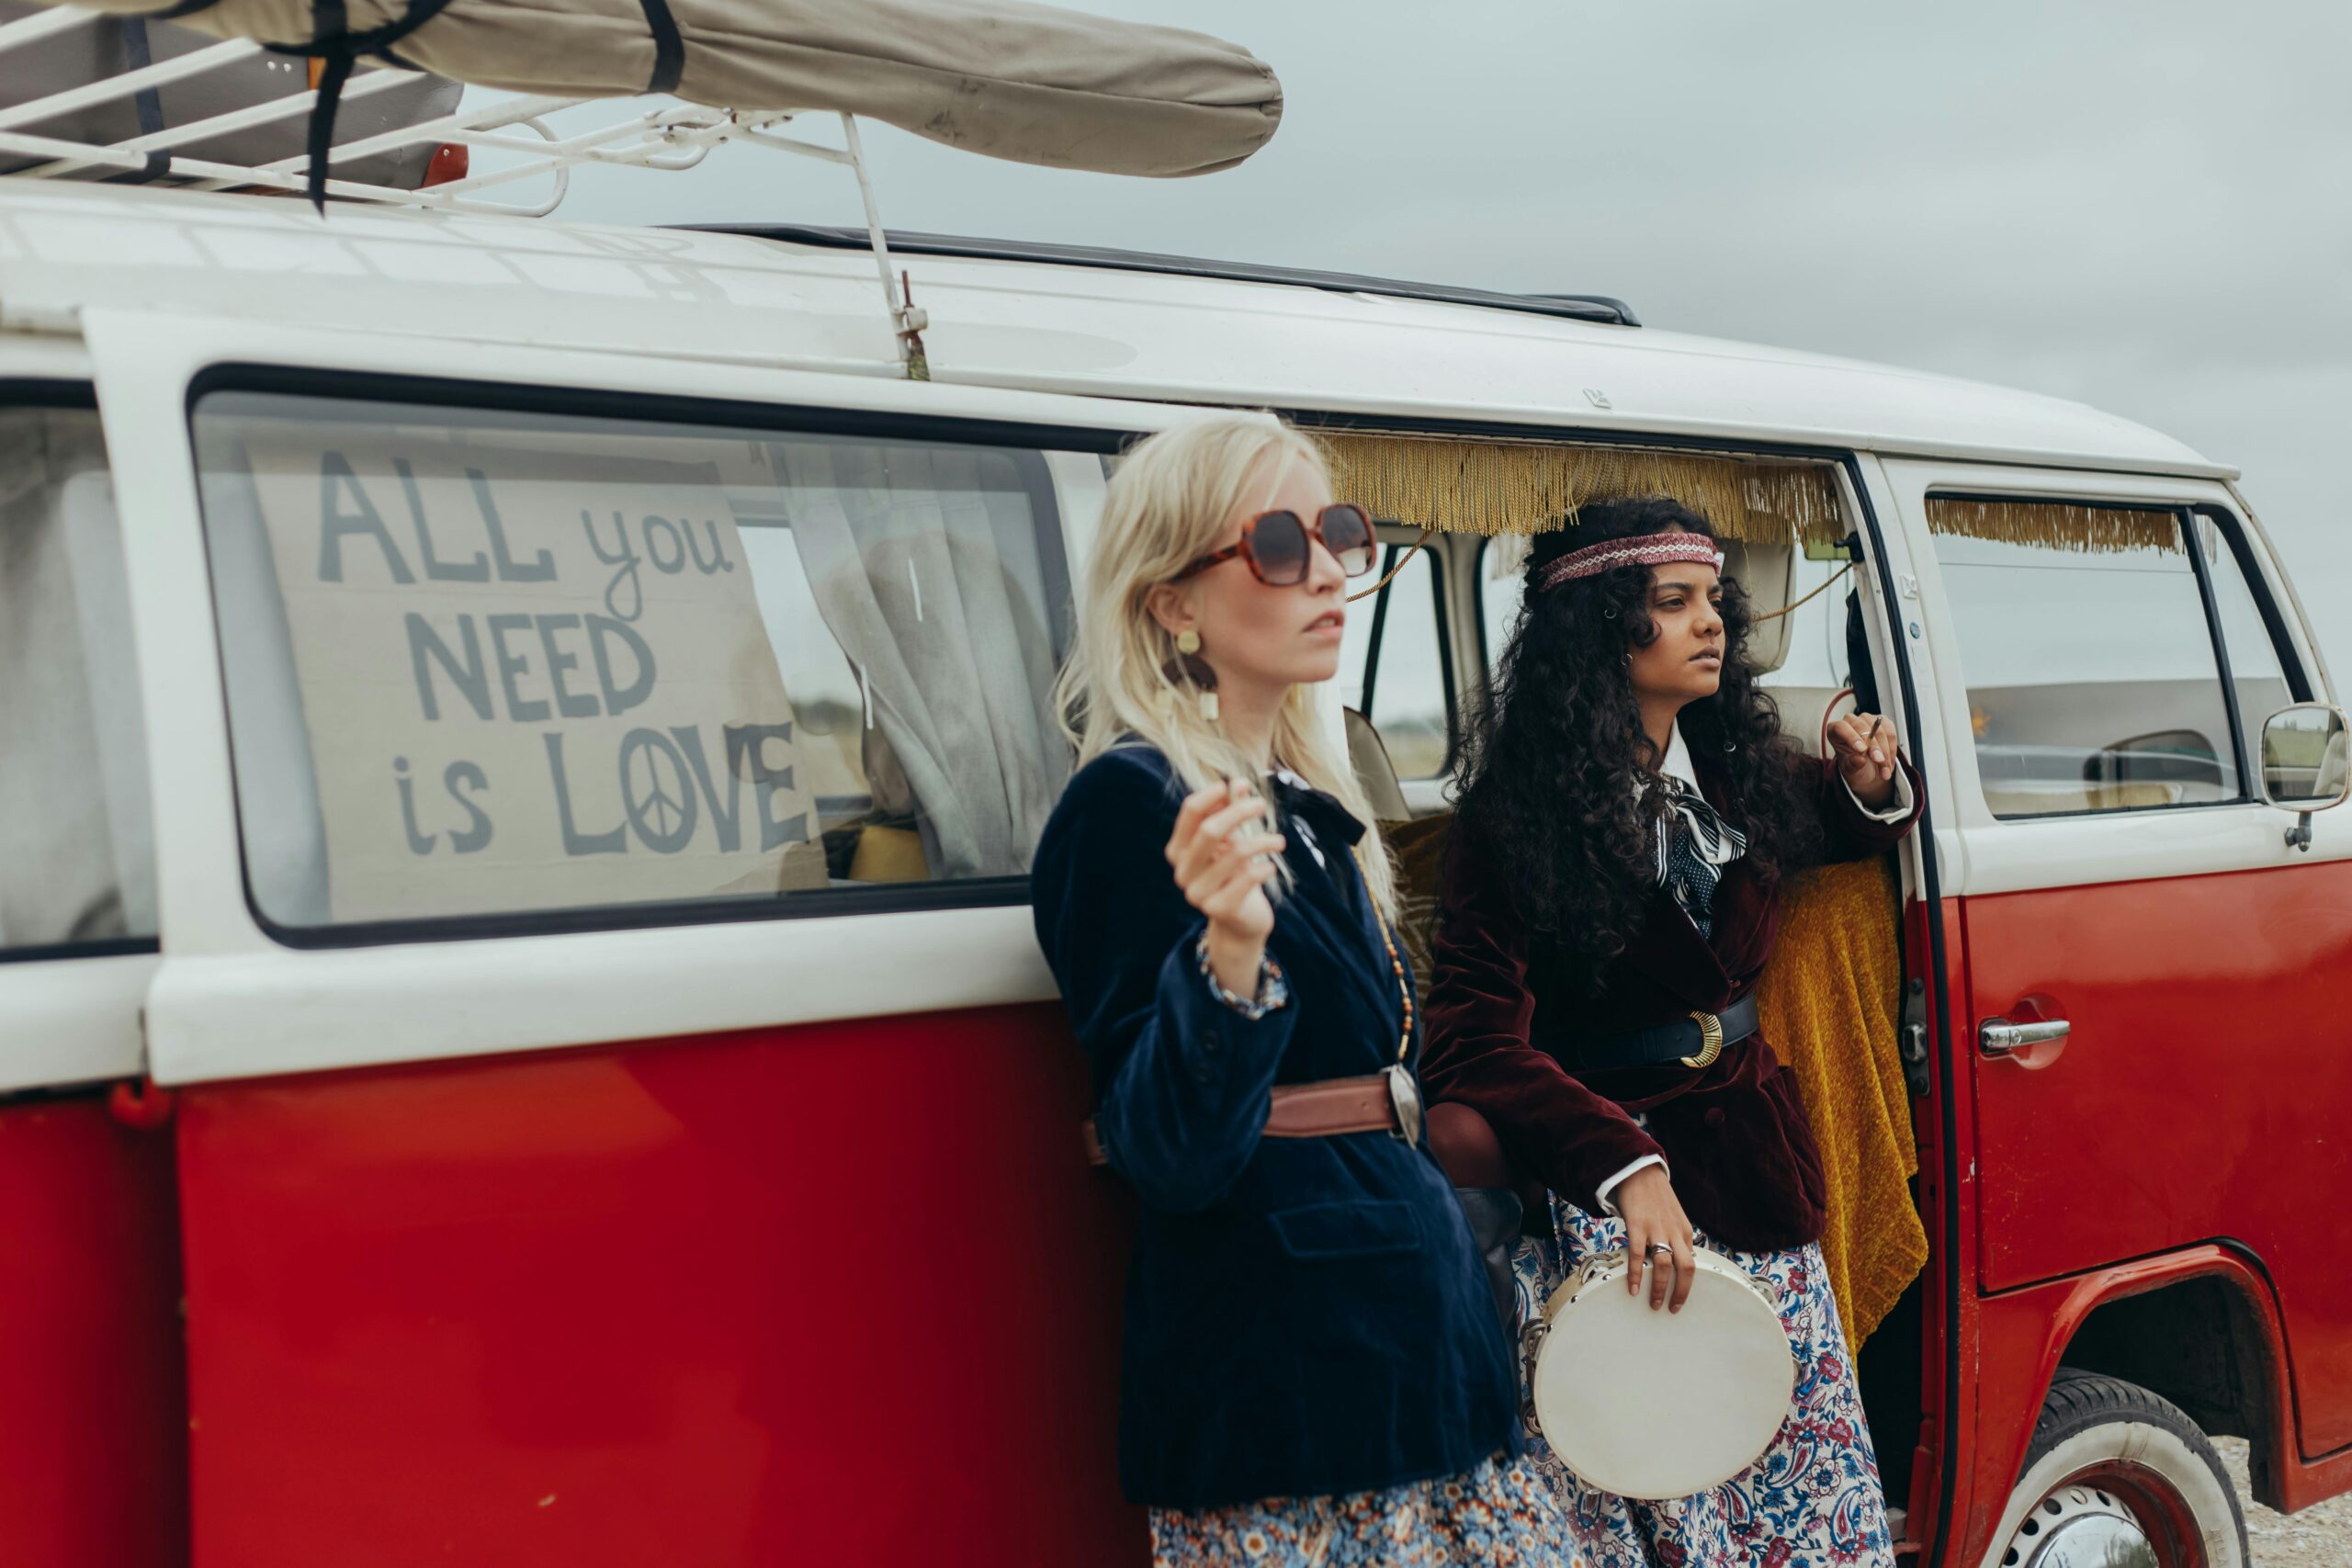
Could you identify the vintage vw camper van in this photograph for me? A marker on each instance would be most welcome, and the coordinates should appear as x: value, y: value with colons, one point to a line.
x: 520, y: 1035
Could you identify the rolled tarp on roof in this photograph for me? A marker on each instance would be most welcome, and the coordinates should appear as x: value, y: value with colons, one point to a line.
x: 1031, y: 84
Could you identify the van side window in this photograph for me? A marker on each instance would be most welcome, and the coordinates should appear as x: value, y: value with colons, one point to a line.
x: 77, y: 843
x: 1805, y: 613
x: 1392, y: 664
x: 1816, y: 655
x: 2094, y: 679
x: 2263, y: 667
x: 1500, y: 596
x: 488, y: 662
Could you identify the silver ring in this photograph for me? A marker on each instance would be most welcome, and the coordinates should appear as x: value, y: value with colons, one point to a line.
x: 1657, y: 1247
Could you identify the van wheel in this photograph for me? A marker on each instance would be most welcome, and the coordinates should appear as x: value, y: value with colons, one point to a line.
x: 2117, y: 1477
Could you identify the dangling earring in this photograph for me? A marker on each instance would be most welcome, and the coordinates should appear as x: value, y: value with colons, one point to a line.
x: 1189, y: 668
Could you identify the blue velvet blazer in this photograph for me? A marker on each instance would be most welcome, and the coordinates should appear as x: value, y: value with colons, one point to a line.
x: 1304, y: 1315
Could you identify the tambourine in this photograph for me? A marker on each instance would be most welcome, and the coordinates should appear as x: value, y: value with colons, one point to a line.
x: 1652, y: 1405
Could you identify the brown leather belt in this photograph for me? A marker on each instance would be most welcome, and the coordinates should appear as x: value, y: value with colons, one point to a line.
x: 1378, y: 1103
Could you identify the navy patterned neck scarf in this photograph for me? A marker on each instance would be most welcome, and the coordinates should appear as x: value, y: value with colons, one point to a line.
x: 1694, y: 843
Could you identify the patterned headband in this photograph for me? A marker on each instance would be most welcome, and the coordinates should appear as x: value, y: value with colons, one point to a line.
x: 1650, y: 550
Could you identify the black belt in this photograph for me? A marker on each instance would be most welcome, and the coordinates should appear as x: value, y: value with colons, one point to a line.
x: 1695, y: 1040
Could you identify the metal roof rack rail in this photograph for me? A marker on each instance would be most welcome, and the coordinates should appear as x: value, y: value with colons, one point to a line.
x: 666, y: 136
x: 1577, y: 307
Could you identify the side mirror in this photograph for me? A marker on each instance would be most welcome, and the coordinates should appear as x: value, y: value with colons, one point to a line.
x: 2306, y: 763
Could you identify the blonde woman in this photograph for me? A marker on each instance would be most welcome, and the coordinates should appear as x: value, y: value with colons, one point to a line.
x: 1314, y: 1371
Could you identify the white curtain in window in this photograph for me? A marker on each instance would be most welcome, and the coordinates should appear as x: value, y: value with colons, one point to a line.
x: 923, y: 562
x: 76, y: 857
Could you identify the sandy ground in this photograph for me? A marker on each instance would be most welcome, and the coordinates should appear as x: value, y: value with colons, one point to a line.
x: 2319, y: 1537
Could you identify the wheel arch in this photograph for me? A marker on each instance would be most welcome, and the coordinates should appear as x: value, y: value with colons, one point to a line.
x: 2200, y: 1328
x: 2202, y: 1341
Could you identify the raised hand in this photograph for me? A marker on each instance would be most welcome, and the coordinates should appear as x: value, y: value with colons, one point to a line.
x: 1864, y: 744
x: 1223, y: 857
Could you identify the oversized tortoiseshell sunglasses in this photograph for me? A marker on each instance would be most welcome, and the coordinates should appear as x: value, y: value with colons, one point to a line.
x: 1277, y: 544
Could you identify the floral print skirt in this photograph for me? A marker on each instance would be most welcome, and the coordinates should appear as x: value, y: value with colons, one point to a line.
x: 1498, y: 1511
x: 1812, y: 1499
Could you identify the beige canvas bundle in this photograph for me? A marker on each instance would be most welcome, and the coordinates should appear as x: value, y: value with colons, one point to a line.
x: 1031, y: 84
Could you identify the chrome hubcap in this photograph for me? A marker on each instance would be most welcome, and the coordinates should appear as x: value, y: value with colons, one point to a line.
x: 2080, y: 1527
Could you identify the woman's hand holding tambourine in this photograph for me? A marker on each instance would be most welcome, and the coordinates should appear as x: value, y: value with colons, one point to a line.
x: 1864, y: 745
x: 1658, y: 1239
x: 1224, y: 857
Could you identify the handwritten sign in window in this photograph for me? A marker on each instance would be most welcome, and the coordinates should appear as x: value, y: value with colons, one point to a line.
x: 528, y: 679
x: 495, y: 662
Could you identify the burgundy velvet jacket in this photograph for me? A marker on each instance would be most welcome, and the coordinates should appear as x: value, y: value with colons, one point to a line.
x: 1505, y: 1015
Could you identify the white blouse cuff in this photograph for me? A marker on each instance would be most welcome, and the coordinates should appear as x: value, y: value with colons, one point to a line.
x: 1607, y: 1206
x: 1898, y: 811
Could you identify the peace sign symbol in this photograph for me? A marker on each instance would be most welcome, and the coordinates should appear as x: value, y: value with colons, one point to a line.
x: 656, y: 792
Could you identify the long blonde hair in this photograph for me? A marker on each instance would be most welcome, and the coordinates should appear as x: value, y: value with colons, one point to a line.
x: 1166, y: 505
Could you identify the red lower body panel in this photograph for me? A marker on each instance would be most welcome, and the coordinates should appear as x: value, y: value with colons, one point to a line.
x: 840, y: 1294
x: 92, y: 1417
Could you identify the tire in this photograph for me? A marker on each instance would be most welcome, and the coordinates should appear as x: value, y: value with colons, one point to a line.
x: 2118, y: 1477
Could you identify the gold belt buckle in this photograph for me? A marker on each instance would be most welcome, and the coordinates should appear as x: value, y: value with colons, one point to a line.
x: 1711, y: 1041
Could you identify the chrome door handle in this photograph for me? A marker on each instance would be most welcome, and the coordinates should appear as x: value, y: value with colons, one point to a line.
x: 1998, y: 1036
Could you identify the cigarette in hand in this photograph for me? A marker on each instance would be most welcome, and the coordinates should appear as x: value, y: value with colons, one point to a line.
x: 1869, y: 741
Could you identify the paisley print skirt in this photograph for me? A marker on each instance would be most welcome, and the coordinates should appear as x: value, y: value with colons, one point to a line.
x: 1498, y: 1511
x: 1811, y: 1500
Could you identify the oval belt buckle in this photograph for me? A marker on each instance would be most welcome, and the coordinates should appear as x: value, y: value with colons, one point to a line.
x: 1711, y: 1041
x: 1406, y: 1096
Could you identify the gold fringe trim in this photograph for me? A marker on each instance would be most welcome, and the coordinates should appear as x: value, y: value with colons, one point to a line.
x: 1461, y: 485
x: 1476, y: 485
x: 2057, y: 525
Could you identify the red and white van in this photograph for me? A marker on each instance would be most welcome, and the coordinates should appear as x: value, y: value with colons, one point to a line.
x: 520, y: 1031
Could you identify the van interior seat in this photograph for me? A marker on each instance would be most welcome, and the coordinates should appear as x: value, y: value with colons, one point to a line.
x: 1416, y: 844
x: 1368, y: 756
x: 1806, y: 710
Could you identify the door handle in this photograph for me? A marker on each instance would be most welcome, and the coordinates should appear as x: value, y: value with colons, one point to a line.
x: 2000, y: 1037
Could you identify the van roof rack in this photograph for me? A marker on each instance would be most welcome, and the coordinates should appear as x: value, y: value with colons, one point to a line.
x: 1577, y: 307
x: 666, y: 135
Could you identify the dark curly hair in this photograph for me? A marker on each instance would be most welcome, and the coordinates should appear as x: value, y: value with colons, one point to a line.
x: 1560, y: 784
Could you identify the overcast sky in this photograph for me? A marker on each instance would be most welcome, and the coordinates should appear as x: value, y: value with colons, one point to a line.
x: 2144, y: 206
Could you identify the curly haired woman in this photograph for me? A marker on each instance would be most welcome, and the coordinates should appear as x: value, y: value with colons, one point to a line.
x: 1630, y: 810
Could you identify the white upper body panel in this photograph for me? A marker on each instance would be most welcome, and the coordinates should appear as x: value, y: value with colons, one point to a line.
x: 1036, y: 326
x: 146, y: 289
